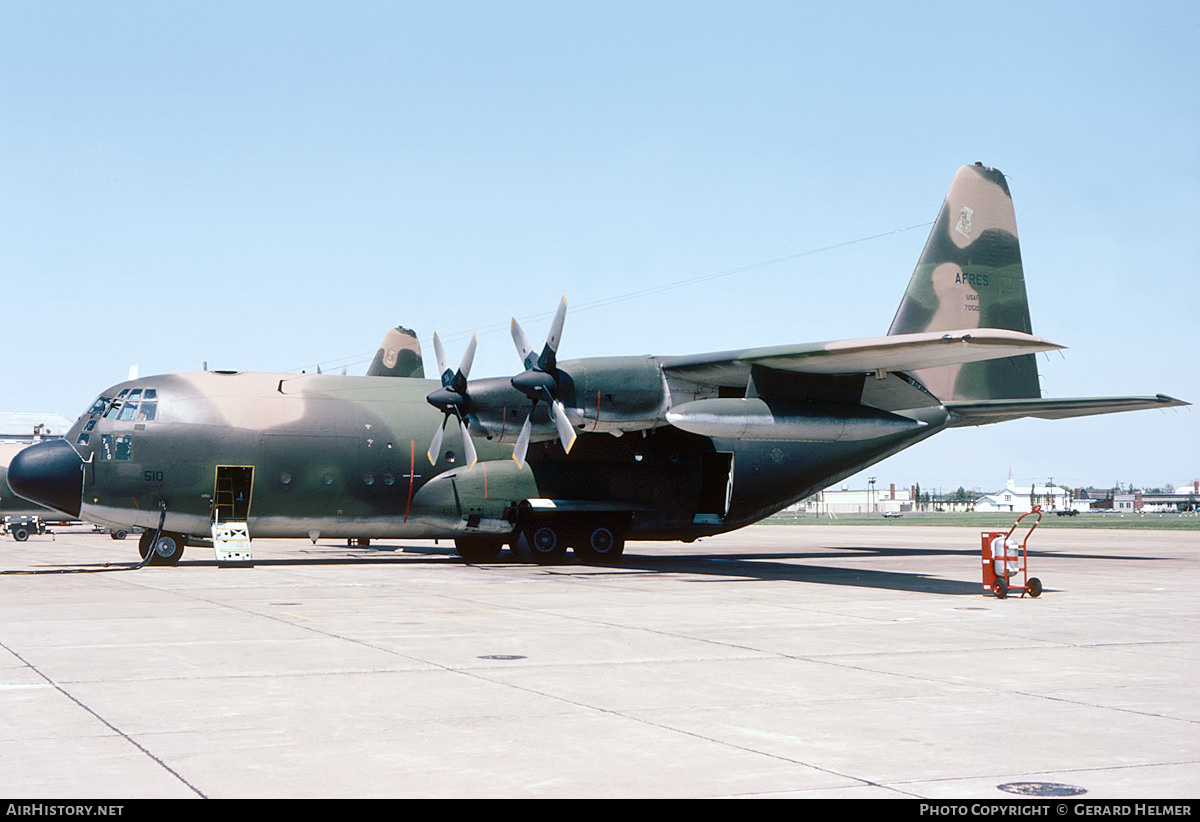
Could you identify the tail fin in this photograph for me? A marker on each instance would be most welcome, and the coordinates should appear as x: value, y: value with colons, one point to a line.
x: 399, y: 355
x: 970, y: 276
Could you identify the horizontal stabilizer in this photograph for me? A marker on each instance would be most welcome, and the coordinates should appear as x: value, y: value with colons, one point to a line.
x: 983, y: 412
x: 899, y: 352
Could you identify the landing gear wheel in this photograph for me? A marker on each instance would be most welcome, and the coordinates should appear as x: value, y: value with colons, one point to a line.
x: 1034, y: 587
x: 1000, y: 588
x: 477, y: 549
x: 167, y: 550
x: 601, y: 542
x: 540, y: 542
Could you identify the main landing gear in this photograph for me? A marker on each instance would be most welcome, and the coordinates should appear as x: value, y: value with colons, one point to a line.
x: 544, y: 540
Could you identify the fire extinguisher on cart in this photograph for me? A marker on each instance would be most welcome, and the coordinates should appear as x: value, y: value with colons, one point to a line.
x: 1004, y: 559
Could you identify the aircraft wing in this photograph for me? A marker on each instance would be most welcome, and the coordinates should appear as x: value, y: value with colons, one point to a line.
x: 983, y: 412
x: 898, y: 352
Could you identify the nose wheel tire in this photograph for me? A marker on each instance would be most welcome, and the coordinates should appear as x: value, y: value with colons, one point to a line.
x: 167, y: 550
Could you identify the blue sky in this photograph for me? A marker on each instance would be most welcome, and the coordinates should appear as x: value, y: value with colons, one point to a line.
x: 271, y: 185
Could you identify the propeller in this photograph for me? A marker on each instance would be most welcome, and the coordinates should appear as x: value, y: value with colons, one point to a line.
x: 539, y: 382
x: 452, y: 399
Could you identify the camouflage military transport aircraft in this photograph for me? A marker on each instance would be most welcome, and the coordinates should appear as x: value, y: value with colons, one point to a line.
x: 574, y: 453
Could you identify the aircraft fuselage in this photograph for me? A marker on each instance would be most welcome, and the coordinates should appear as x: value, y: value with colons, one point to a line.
x: 345, y: 457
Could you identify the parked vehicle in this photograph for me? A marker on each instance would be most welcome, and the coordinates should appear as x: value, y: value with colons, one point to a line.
x: 21, y: 527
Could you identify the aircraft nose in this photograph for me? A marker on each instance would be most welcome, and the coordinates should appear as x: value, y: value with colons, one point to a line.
x: 49, y: 474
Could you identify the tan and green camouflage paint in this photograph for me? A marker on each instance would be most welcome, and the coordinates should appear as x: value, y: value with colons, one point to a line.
x: 970, y: 276
x: 344, y: 456
x: 399, y: 355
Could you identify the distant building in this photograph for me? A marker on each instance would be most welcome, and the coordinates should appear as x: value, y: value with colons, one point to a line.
x: 1184, y: 498
x: 22, y: 426
x: 1014, y: 498
x: 871, y: 500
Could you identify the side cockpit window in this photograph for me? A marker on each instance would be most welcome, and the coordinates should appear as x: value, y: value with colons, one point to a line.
x: 86, y: 433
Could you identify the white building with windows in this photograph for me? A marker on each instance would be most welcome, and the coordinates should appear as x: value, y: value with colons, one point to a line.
x: 1015, y: 498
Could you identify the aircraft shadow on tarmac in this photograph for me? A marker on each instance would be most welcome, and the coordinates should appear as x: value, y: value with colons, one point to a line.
x: 731, y: 567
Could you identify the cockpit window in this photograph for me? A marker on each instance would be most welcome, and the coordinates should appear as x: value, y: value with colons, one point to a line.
x: 137, y: 404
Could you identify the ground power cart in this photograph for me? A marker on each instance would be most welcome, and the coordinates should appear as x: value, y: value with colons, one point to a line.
x: 1005, y: 559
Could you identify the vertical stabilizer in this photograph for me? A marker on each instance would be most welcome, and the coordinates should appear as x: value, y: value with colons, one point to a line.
x: 970, y: 276
x: 399, y: 355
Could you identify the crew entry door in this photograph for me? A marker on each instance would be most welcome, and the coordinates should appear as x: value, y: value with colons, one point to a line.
x: 230, y: 512
x: 231, y: 494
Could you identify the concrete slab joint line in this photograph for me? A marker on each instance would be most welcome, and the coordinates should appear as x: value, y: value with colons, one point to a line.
x: 778, y: 661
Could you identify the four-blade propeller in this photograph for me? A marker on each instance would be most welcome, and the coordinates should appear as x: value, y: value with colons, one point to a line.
x: 452, y: 398
x: 539, y: 381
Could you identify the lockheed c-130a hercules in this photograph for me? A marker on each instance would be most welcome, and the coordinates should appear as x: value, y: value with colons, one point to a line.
x: 576, y: 453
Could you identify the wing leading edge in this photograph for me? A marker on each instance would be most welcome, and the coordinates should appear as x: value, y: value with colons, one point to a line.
x: 899, y: 352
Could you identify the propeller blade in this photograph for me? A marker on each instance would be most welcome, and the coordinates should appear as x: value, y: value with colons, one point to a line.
x: 468, y: 446
x: 440, y: 354
x: 524, y: 349
x: 550, y: 352
x: 566, y: 431
x: 436, y: 445
x: 469, y: 357
x: 523, y: 441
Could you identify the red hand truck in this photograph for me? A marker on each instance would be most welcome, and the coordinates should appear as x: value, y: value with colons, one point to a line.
x: 1004, y: 559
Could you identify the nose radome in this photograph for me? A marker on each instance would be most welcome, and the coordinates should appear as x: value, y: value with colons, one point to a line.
x: 49, y: 474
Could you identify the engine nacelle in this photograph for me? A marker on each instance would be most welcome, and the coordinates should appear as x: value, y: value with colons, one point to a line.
x: 601, y: 394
